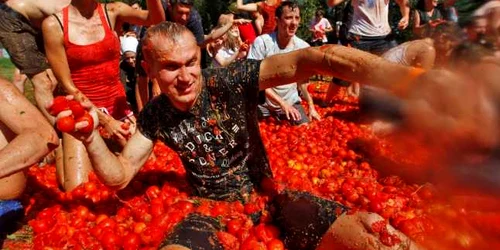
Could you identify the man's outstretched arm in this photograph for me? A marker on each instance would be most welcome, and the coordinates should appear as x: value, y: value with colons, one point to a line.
x: 118, y: 171
x: 334, y: 60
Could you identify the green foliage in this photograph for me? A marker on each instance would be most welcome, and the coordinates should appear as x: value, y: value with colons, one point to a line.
x: 6, y: 68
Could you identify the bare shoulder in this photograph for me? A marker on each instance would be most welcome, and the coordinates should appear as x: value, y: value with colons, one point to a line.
x: 53, y: 25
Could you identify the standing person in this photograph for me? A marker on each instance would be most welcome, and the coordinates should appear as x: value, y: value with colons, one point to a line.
x: 319, y: 26
x: 425, y: 17
x: 84, y: 52
x: 128, y: 68
x: 266, y: 8
x: 210, y: 118
x: 20, y: 22
x: 370, y: 30
x: 283, y: 102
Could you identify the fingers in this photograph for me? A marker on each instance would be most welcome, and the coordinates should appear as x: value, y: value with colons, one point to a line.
x: 292, y: 114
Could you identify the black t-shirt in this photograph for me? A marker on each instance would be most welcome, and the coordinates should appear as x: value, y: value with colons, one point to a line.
x: 218, y: 139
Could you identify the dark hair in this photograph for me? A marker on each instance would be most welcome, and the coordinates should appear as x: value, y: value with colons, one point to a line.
x: 319, y: 13
x: 290, y: 4
x: 171, y: 31
x: 470, y: 53
x: 450, y: 30
x: 186, y: 2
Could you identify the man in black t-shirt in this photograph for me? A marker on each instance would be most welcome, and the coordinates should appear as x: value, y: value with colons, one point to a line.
x: 210, y: 118
x: 184, y: 13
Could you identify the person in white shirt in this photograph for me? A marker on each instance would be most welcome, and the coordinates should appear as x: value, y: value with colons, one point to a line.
x: 370, y: 30
x: 284, y: 102
x: 319, y: 26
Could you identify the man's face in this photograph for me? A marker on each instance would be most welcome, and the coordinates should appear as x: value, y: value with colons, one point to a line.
x: 176, y: 67
x: 180, y: 13
x: 129, y: 57
x: 288, y: 22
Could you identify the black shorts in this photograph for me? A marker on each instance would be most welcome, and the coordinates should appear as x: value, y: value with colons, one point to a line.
x: 22, y: 41
x: 302, y: 218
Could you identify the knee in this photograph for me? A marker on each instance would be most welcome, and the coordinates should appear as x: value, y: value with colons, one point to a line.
x: 41, y: 81
x: 12, y: 186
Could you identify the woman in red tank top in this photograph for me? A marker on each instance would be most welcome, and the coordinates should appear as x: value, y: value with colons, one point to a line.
x: 266, y: 9
x: 84, y: 52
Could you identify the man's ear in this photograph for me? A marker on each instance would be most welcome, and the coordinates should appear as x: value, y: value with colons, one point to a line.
x: 147, y: 68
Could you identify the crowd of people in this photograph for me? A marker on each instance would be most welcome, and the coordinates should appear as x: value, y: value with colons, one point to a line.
x: 138, y: 70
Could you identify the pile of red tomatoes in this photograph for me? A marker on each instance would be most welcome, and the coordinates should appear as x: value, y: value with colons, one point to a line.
x: 320, y: 158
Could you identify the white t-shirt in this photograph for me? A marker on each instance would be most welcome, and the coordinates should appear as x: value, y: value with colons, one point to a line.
x: 267, y: 45
x: 225, y: 53
x: 323, y: 24
x: 370, y: 18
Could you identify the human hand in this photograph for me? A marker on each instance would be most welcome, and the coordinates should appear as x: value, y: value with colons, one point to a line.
x: 78, y: 119
x: 313, y: 114
x: 241, y: 21
x: 291, y: 112
x: 403, y: 23
x: 117, y: 129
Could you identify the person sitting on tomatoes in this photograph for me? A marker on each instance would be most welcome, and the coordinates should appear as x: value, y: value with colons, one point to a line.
x: 210, y: 119
x: 283, y: 102
x: 25, y: 137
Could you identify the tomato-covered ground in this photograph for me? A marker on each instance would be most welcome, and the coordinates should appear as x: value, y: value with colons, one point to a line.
x: 332, y: 158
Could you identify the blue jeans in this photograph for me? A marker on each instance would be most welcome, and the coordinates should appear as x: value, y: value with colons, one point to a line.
x: 375, y: 45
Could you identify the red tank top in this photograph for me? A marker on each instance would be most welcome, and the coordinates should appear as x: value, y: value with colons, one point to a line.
x: 247, y: 32
x: 95, y: 69
x: 268, y: 13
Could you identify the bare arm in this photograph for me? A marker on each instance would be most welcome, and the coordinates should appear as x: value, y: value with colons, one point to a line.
x: 117, y: 171
x: 226, y: 61
x: 404, y: 8
x: 217, y: 32
x: 34, y: 136
x: 332, y: 3
x: 334, y: 60
x: 250, y: 7
x: 417, y: 28
x: 124, y: 13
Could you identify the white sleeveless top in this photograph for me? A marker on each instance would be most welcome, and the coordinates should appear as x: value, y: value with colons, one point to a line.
x: 370, y: 18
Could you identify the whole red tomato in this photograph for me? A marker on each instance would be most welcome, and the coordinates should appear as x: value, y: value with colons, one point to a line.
x: 86, y: 117
x: 66, y: 124
x: 59, y: 104
x: 76, y: 108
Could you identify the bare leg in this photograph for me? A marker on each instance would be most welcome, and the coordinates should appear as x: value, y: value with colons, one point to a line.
x: 60, y: 165
x: 12, y: 186
x: 76, y: 163
x: 45, y: 84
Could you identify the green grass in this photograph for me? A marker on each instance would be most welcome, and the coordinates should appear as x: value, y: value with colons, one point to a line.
x: 7, y: 71
x: 6, y: 68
